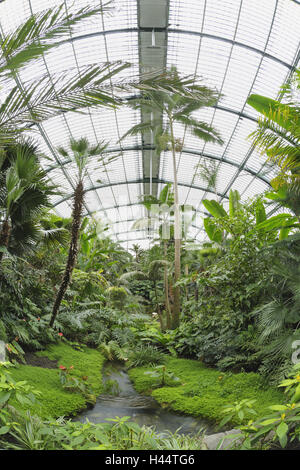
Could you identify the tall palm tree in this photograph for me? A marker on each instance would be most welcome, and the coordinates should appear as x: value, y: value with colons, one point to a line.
x: 177, y: 106
x: 24, y: 195
x: 79, y: 152
x: 155, y: 207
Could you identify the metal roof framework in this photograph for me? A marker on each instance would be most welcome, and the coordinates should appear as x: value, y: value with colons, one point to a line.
x: 238, y: 46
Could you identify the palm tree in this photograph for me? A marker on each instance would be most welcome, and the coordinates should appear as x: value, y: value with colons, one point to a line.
x: 137, y: 252
x: 278, y: 135
x: 177, y: 106
x: 24, y: 195
x: 153, y: 274
x: 46, y: 96
x: 155, y: 207
x: 80, y: 151
x: 209, y: 172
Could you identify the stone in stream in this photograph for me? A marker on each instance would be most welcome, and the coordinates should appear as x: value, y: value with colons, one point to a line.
x: 212, y: 442
x: 2, y: 351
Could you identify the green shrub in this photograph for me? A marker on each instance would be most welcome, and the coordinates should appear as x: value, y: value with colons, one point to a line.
x: 24, y: 431
x: 145, y: 354
x: 3, y: 336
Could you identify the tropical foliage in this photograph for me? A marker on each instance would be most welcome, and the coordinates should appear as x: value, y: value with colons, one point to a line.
x: 196, y: 326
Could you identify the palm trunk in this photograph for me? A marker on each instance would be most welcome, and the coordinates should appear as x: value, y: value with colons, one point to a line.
x: 158, y: 309
x: 177, y: 238
x: 4, y: 235
x: 73, y: 250
x: 186, y: 273
x: 166, y: 286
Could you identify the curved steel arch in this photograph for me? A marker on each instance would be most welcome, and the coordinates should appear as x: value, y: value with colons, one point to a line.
x: 136, y: 204
x: 184, y: 150
x: 180, y: 31
x: 214, y: 40
x: 142, y: 180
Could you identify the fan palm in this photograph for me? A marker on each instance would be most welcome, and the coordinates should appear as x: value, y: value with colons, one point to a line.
x: 177, y: 106
x: 278, y: 319
x: 79, y: 152
x: 24, y: 196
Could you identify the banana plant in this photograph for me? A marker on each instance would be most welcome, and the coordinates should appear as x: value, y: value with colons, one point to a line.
x: 283, y: 222
x: 217, y: 210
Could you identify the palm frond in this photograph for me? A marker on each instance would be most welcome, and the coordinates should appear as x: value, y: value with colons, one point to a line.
x: 126, y: 277
x: 140, y: 128
x: 40, y: 33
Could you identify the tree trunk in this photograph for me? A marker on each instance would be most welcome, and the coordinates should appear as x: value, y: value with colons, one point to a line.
x: 166, y: 286
x: 177, y: 238
x: 73, y: 250
x: 4, y: 236
x: 196, y: 293
x: 186, y: 273
x: 158, y: 308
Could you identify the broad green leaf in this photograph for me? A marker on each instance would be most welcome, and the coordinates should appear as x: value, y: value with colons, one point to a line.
x: 284, y: 232
x: 276, y: 111
x: 269, y: 421
x: 281, y: 432
x: 260, y: 212
x: 214, y: 233
x: 276, y: 222
x: 278, y: 407
x: 296, y: 396
x: 4, y: 397
x: 214, y: 208
x: 234, y: 202
x: 4, y: 430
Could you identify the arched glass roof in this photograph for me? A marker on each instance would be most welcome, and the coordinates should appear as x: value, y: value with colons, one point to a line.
x: 238, y: 46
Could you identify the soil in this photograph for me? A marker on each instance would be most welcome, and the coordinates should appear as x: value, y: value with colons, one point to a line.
x: 33, y: 360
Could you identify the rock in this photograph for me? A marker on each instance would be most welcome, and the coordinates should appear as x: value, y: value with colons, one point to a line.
x: 2, y: 351
x: 212, y: 442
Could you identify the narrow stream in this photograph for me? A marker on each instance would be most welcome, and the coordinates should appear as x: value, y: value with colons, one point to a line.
x: 143, y: 410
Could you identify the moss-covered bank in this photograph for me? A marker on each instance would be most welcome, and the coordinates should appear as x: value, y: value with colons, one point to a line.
x: 54, y: 400
x: 203, y: 391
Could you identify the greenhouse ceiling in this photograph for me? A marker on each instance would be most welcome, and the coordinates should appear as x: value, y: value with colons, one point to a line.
x: 238, y: 46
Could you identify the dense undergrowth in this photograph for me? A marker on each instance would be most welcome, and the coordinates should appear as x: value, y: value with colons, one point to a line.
x: 204, y: 391
x: 201, y: 325
x: 55, y: 401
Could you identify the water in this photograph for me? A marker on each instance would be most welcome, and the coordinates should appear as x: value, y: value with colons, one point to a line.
x: 143, y: 410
